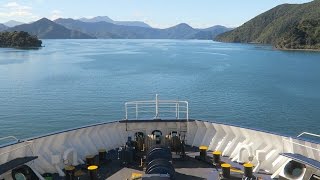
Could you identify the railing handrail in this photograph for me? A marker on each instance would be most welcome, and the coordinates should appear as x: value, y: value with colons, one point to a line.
x: 159, y: 106
x: 310, y: 134
x: 152, y: 101
x: 10, y: 137
x: 299, y: 144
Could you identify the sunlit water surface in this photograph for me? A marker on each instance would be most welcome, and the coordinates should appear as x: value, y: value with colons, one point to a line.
x: 71, y: 83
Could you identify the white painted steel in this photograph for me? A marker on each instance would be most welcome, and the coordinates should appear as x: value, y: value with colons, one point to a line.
x: 154, y: 108
x: 9, y: 137
x: 307, y: 133
x: 265, y: 146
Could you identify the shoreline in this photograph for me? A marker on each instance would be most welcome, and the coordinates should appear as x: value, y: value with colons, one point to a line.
x: 286, y: 49
x: 22, y: 48
x: 273, y: 46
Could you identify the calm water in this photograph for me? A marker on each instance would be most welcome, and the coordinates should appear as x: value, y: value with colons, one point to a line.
x: 77, y: 82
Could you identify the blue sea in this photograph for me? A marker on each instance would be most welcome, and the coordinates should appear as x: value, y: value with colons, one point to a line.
x: 70, y: 83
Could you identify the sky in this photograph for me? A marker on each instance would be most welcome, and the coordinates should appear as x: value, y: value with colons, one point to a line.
x: 157, y: 13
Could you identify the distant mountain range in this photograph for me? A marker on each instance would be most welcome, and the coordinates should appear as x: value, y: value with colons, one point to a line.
x: 213, y: 31
x: 287, y: 26
x: 109, y: 20
x: 12, y: 23
x: 3, y: 27
x: 103, y: 27
x: 46, y: 29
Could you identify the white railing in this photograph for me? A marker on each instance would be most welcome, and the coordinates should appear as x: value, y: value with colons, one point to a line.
x: 290, y: 140
x: 157, y: 109
x: 9, y: 137
x: 26, y: 143
x: 307, y: 133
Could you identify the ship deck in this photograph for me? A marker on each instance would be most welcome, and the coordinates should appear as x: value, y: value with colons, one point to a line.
x: 186, y: 168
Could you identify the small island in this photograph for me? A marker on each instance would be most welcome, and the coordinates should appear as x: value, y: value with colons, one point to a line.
x: 19, y: 39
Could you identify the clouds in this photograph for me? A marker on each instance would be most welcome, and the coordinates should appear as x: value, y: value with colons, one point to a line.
x: 24, y: 12
x: 11, y: 5
x: 55, y: 14
x: 14, y: 10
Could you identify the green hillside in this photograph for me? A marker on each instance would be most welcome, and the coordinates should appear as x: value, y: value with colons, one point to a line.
x: 305, y: 35
x: 290, y: 26
x: 18, y: 40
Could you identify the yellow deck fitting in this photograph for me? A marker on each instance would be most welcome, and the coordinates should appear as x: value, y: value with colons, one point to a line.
x: 248, y: 170
x: 232, y: 169
x: 203, y: 148
x: 225, y: 165
x: 91, y: 168
x: 216, y: 153
x: 248, y: 165
x: 216, y: 157
x: 226, y: 170
x: 136, y: 176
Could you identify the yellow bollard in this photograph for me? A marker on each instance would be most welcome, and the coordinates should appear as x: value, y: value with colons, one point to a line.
x: 102, y: 155
x: 203, y: 151
x: 248, y: 170
x: 90, y: 160
x: 226, y: 170
x: 93, y: 172
x: 216, y: 157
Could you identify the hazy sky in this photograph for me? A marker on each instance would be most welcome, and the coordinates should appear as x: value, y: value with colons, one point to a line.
x: 157, y: 13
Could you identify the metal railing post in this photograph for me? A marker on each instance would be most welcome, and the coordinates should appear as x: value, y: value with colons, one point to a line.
x: 126, y: 110
x: 137, y: 111
x: 176, y: 110
x: 187, y: 117
x: 157, y: 106
x: 172, y: 108
x: 187, y: 111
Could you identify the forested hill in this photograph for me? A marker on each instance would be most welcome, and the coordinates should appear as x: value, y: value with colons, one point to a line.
x: 19, y: 40
x: 287, y: 26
